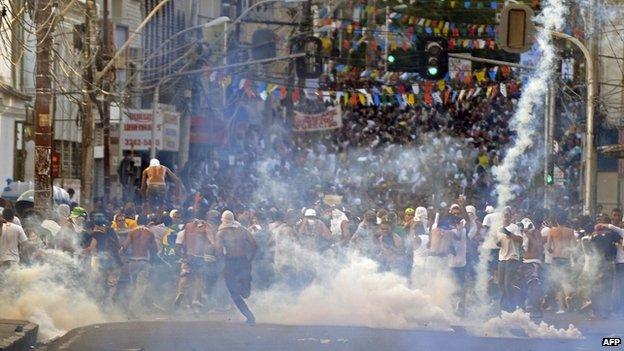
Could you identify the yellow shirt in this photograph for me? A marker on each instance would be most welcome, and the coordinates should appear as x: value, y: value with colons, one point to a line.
x: 130, y: 224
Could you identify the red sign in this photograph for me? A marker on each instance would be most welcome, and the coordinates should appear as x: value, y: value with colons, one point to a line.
x: 56, y: 164
x: 208, y: 130
x: 330, y: 119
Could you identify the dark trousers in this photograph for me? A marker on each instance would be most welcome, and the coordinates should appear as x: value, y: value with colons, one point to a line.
x: 508, y: 276
x: 237, y: 274
x: 601, y: 296
x: 532, y: 290
x: 618, y: 288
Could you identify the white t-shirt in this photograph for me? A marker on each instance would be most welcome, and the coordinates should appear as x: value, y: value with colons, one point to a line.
x: 12, y: 235
x: 493, y: 221
x: 180, y: 237
x: 547, y: 255
x: 509, y: 249
x: 619, y: 256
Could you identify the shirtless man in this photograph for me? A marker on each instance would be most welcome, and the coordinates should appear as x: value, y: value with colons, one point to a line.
x: 239, y: 248
x: 142, y: 246
x: 153, y: 185
x: 195, y: 244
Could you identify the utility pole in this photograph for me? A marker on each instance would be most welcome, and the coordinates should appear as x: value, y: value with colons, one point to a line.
x: 44, y: 22
x: 88, y: 124
x: 106, y: 85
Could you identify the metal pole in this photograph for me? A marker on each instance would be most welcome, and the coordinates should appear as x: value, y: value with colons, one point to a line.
x: 589, y: 186
x: 154, y: 115
x: 43, y: 119
x: 387, y: 37
x: 223, y: 89
x: 546, y: 150
x: 86, y: 181
x: 106, y: 104
x: 485, y: 60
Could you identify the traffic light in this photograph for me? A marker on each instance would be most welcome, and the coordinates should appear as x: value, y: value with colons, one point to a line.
x: 311, y: 65
x: 400, y: 60
x: 550, y: 173
x: 515, y: 31
x: 435, y: 58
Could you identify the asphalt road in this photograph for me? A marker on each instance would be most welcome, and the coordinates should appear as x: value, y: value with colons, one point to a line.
x: 215, y: 335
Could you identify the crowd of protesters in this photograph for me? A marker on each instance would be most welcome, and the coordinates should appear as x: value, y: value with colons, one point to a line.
x: 381, y: 186
x: 536, y: 260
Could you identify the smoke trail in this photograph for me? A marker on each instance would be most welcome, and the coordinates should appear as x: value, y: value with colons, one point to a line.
x: 524, y: 120
x: 525, y: 124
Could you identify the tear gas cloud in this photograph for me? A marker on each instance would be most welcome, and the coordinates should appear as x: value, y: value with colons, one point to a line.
x: 51, y: 294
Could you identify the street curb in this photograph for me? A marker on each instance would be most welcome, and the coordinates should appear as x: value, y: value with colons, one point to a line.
x: 21, y: 340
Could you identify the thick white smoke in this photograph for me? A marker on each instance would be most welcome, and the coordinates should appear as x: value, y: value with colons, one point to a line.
x: 50, y: 294
x: 504, y: 326
x: 348, y: 289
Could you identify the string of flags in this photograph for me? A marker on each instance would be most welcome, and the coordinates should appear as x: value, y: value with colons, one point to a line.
x: 429, y: 93
x: 460, y: 35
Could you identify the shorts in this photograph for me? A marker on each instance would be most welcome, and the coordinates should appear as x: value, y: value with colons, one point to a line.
x: 192, y: 266
x: 156, y: 193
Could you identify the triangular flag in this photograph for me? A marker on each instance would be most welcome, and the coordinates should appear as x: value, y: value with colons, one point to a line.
x: 503, y: 89
x: 441, y: 84
x: 461, y: 95
x: 339, y: 95
x: 376, y: 100
x: 437, y: 98
x: 354, y: 99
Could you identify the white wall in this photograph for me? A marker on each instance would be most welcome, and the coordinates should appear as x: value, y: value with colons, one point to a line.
x: 6, y: 144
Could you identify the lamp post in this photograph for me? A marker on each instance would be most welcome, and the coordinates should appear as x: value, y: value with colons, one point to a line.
x: 387, y: 33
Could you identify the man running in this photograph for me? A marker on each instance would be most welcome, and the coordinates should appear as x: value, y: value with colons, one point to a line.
x: 239, y: 248
x: 195, y: 244
x: 141, y: 244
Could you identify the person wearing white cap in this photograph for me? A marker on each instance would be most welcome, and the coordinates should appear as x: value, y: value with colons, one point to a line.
x: 491, y: 223
x: 154, y: 185
x: 313, y: 232
x: 510, y: 239
x: 531, y: 271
